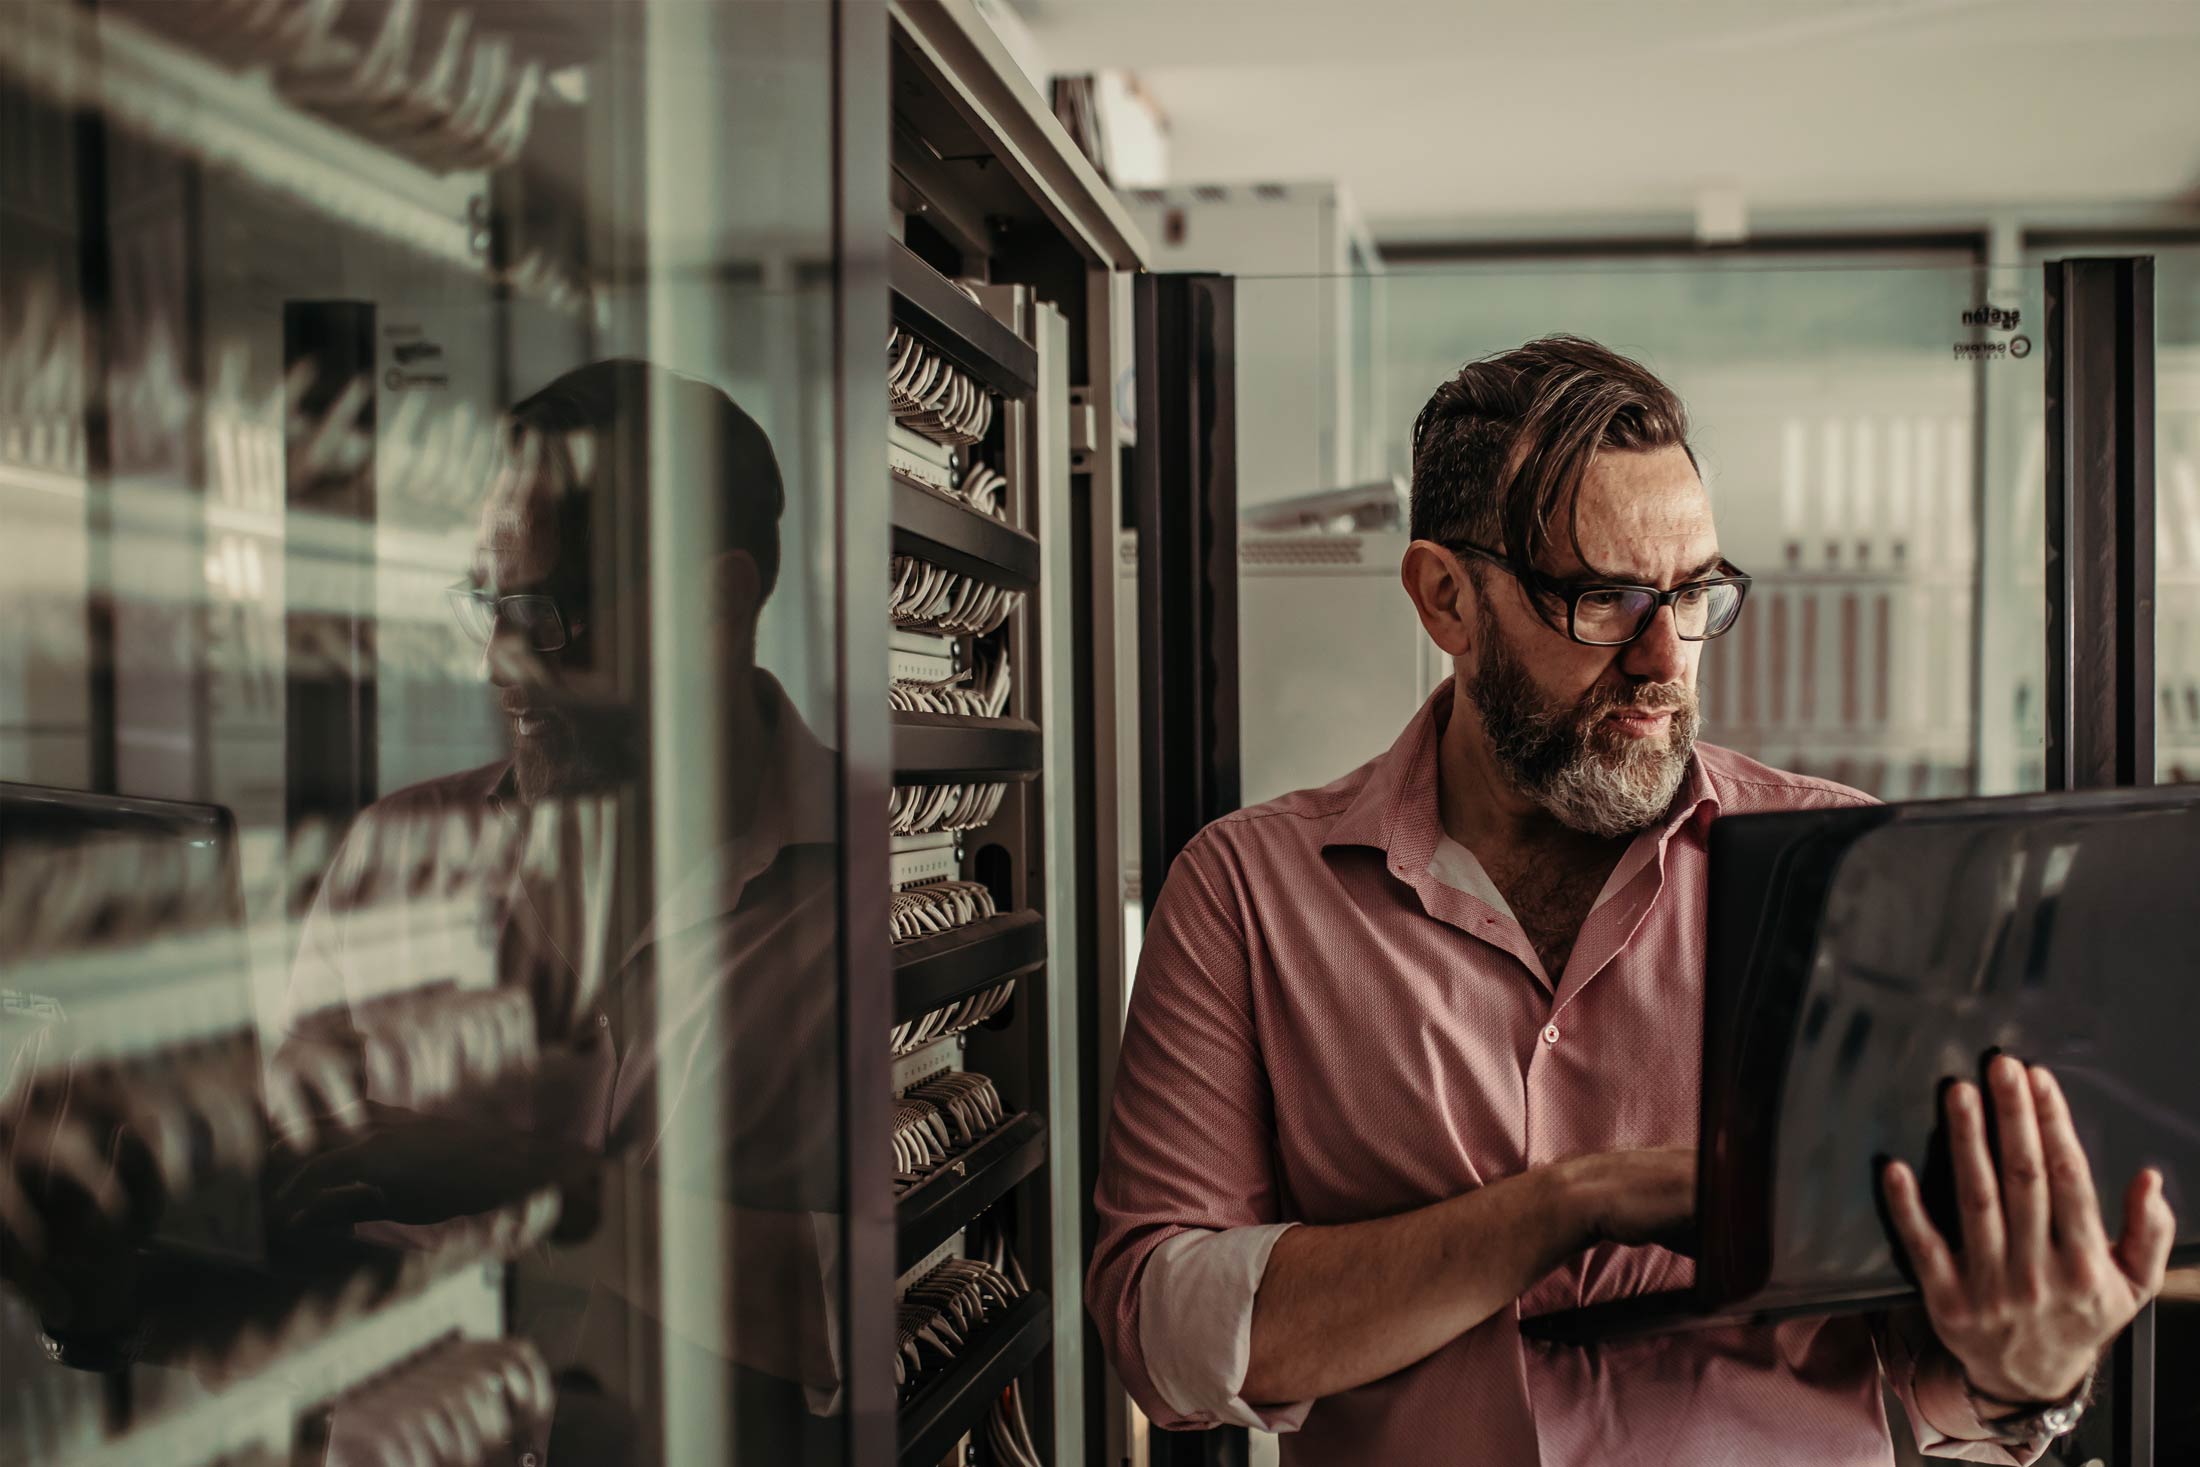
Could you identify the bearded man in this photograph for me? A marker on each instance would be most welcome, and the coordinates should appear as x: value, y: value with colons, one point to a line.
x: 1415, y: 1055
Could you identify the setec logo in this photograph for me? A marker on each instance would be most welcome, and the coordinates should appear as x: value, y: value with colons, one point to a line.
x: 1994, y: 318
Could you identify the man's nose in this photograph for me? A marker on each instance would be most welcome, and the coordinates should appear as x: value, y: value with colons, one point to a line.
x: 508, y: 661
x: 1658, y: 655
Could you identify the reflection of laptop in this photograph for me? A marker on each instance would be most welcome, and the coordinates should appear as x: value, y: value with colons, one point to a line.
x: 1859, y: 957
x: 201, y: 839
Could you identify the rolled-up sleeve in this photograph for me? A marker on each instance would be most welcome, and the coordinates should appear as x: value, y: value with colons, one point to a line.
x: 1926, y: 1381
x: 1190, y: 1149
x: 1195, y: 1308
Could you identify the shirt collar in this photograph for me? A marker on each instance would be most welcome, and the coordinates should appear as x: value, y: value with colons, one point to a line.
x: 1397, y: 810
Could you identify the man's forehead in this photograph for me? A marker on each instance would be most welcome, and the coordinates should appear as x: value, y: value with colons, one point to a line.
x: 1639, y: 516
x: 516, y: 537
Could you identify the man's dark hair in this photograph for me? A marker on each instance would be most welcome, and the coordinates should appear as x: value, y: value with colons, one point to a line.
x: 616, y: 404
x: 1500, y: 448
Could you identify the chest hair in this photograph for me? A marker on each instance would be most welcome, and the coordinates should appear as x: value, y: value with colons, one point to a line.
x: 1551, y: 897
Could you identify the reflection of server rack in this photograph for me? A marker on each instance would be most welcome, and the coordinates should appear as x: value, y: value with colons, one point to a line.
x: 176, y: 176
x: 472, y: 211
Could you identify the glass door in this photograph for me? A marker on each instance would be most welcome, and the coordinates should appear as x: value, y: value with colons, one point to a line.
x: 1861, y: 427
x: 419, y: 700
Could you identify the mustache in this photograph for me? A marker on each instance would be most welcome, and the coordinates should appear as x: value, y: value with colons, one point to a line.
x: 1647, y: 698
x: 518, y: 701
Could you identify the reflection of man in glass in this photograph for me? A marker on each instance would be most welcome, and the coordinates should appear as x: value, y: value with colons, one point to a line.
x: 672, y: 974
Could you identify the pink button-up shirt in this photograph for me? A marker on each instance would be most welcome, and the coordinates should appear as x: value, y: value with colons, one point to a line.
x: 1325, y: 1029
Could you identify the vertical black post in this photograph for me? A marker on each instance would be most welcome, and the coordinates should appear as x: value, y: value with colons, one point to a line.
x: 95, y: 293
x: 2100, y: 627
x: 2100, y: 523
x: 329, y: 759
x: 861, y: 129
x: 1187, y: 562
x: 1186, y: 507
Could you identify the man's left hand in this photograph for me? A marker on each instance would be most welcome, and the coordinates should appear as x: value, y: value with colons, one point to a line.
x: 2038, y: 1290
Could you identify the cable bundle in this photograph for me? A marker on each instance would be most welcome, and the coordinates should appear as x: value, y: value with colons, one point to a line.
x: 1009, y: 1434
x: 931, y: 397
x: 963, y: 1014
x: 942, y: 1312
x: 927, y: 809
x: 970, y: 1104
x: 926, y: 595
x: 138, y: 1139
x: 980, y: 692
x: 984, y: 490
x: 933, y: 1121
x: 452, y: 1406
x: 939, y: 906
x: 1007, y: 1430
x: 920, y: 1141
x: 423, y: 1050
x: 453, y: 100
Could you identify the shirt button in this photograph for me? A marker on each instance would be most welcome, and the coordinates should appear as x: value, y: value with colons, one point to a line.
x: 1550, y: 1033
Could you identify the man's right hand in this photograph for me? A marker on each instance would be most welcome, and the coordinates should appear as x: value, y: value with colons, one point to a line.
x: 1634, y: 1197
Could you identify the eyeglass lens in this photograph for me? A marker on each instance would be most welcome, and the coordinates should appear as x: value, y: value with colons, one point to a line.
x: 532, y: 619
x: 1621, y: 614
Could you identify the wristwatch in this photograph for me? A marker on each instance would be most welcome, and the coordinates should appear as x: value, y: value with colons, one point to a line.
x: 2025, y: 1421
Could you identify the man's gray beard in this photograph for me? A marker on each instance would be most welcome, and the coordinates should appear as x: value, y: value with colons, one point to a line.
x: 1566, y: 761
x: 567, y: 760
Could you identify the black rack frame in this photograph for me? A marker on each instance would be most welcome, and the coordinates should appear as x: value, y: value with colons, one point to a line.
x: 966, y: 1184
x: 932, y: 972
x: 943, y: 748
x: 929, y: 305
x: 957, y: 1400
x: 950, y: 534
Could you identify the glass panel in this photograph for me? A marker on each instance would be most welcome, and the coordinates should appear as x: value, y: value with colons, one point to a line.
x: 374, y: 990
x: 1839, y: 408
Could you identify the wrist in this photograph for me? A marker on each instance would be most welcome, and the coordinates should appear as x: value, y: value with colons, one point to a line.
x: 2015, y: 1418
x: 1573, y: 1207
x: 2003, y: 1395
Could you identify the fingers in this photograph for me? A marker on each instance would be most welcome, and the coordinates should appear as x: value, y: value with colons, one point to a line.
x: 1930, y: 1259
x: 2024, y: 1201
x: 2149, y: 1230
x: 2077, y: 1210
x: 1978, y: 1189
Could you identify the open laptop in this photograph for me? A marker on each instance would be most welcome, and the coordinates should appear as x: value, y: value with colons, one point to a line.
x: 1860, y: 958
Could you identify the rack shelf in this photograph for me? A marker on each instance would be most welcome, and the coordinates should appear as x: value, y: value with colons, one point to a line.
x: 949, y: 1200
x: 941, y: 748
x: 933, y: 307
x: 950, y: 534
x: 958, y: 1399
x: 932, y: 972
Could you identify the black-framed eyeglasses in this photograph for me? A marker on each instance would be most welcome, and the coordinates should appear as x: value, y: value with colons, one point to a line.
x: 1612, y: 614
x: 532, y: 617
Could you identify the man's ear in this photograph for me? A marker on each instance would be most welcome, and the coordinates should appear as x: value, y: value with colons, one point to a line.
x: 1443, y: 595
x: 736, y: 592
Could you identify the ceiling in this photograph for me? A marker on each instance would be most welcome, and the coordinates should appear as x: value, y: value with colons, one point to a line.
x: 1445, y: 116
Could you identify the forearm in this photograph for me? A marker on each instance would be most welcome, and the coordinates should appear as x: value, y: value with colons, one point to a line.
x: 1341, y: 1306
